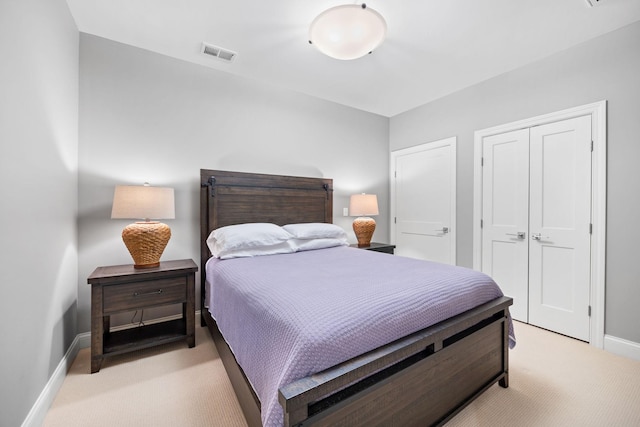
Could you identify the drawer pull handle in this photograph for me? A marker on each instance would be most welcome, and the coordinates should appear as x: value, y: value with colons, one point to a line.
x: 159, y: 291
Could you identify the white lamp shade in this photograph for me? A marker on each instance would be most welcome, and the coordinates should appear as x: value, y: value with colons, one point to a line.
x: 363, y: 205
x: 349, y: 31
x: 143, y: 202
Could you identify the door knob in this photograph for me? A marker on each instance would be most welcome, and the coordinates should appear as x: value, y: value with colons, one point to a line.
x: 539, y: 236
x: 444, y: 230
x: 519, y: 234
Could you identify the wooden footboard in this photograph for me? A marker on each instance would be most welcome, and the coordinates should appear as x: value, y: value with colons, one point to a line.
x: 423, y: 379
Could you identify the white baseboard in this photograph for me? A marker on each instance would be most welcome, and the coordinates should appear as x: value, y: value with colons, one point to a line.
x: 38, y: 411
x: 622, y: 347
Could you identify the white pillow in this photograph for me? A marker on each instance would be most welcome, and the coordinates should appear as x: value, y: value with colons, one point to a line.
x: 247, y: 238
x: 300, y: 245
x: 316, y: 230
x: 279, y: 248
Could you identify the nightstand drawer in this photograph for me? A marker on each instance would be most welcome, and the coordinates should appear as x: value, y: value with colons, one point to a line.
x: 144, y: 294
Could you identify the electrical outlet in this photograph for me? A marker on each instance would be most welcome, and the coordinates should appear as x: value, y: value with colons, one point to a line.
x: 345, y: 211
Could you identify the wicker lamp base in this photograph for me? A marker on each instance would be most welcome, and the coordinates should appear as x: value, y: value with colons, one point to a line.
x: 146, y: 241
x: 364, y: 227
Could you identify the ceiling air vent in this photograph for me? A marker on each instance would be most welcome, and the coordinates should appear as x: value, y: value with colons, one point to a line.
x: 592, y: 3
x: 218, y: 52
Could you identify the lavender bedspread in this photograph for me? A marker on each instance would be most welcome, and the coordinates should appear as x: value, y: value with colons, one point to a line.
x: 290, y: 315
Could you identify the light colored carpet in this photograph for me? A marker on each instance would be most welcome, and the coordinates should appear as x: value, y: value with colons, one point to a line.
x: 559, y: 381
x: 169, y: 385
x: 554, y: 381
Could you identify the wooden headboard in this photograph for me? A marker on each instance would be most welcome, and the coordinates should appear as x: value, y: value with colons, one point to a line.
x: 228, y: 198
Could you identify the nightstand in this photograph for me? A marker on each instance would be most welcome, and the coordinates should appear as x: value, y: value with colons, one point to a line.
x: 121, y: 288
x: 377, y: 247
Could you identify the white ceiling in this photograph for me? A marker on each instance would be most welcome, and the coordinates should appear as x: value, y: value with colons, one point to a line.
x: 433, y: 47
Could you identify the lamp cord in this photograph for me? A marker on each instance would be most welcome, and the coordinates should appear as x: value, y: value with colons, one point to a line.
x: 140, y: 323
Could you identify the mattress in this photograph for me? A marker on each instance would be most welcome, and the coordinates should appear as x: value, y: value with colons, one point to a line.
x: 287, y: 316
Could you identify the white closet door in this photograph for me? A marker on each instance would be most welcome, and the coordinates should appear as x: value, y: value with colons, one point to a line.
x: 560, y: 216
x: 505, y: 213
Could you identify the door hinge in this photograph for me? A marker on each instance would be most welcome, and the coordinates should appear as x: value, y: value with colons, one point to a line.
x: 395, y: 220
x: 481, y: 223
x: 590, y: 228
x: 589, y: 311
x: 395, y: 174
x: 591, y: 146
x: 481, y: 161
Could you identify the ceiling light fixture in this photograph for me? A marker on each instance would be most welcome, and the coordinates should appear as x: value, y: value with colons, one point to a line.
x: 349, y: 31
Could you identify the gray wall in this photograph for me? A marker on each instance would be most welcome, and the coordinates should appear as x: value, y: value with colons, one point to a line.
x: 606, y: 68
x: 38, y: 172
x: 147, y: 117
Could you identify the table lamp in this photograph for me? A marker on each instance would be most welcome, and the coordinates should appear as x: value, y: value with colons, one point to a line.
x: 145, y: 239
x: 362, y: 205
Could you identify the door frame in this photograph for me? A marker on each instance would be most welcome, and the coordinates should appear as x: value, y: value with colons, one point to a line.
x: 598, y: 112
x: 452, y: 142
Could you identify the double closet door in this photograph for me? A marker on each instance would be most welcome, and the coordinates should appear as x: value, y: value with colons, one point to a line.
x: 536, y: 222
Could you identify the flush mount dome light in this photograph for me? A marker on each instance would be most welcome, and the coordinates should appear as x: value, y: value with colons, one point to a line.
x: 348, y: 32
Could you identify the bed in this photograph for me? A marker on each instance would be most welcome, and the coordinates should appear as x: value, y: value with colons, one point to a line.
x: 422, y: 378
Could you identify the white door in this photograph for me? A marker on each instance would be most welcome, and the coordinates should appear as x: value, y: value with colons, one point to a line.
x: 560, y: 216
x: 505, y: 214
x: 423, y: 201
